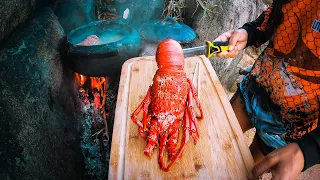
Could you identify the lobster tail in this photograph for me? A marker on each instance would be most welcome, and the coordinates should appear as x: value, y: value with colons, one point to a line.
x: 170, y: 53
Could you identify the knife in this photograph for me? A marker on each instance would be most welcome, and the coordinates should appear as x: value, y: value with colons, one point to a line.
x: 209, y: 49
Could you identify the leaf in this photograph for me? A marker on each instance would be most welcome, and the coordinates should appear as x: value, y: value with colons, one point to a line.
x: 205, y: 12
x: 201, y: 4
x: 211, y: 6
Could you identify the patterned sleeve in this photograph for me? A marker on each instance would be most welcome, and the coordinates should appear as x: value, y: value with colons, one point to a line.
x: 258, y: 31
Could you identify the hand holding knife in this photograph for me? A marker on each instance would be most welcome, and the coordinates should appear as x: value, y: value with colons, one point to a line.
x: 209, y: 49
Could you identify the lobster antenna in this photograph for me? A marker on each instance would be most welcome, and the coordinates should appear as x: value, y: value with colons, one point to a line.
x: 195, y: 79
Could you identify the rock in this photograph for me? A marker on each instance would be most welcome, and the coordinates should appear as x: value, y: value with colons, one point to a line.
x: 227, y: 15
x: 73, y: 14
x: 14, y: 12
x: 268, y: 2
x: 39, y: 139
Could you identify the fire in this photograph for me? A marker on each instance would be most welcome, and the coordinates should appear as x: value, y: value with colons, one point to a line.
x: 99, y: 86
x: 81, y: 79
x: 97, y: 83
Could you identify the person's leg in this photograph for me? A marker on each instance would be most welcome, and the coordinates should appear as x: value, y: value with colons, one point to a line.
x: 239, y: 108
x: 246, y: 124
x: 255, y: 149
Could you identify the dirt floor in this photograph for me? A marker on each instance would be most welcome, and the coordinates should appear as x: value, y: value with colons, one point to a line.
x: 312, y: 173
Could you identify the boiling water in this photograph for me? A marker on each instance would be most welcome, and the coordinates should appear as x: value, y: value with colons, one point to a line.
x: 110, y: 37
x: 104, y: 38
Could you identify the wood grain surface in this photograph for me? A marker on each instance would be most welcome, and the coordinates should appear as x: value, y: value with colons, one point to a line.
x: 221, y: 152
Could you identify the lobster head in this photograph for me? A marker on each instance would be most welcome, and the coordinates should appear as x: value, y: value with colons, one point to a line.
x: 169, y: 53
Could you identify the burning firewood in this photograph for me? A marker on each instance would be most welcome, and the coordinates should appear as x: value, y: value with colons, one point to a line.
x: 95, y: 138
x: 99, y: 86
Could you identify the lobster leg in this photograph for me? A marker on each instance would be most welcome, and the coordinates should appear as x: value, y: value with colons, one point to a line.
x: 173, y: 139
x: 144, y: 104
x: 192, y: 116
x: 194, y: 93
x: 185, y: 139
x: 162, y: 146
x: 143, y: 131
x: 152, y: 137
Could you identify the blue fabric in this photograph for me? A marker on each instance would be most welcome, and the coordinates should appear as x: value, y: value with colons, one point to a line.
x: 264, y: 114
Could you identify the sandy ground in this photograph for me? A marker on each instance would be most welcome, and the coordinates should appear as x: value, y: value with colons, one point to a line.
x: 312, y: 173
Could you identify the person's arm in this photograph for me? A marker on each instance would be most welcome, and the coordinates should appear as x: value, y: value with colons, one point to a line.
x: 288, y: 161
x: 310, y: 146
x: 258, y: 30
x: 251, y: 33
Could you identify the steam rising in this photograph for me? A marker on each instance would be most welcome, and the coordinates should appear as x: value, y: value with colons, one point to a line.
x: 75, y: 13
x: 140, y: 11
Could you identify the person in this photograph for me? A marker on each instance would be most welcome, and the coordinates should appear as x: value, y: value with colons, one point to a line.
x: 279, y: 96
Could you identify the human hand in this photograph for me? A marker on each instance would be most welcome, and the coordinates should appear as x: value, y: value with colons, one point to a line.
x: 285, y: 163
x: 237, y: 41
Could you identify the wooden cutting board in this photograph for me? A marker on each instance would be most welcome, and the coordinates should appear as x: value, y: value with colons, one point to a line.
x: 221, y: 152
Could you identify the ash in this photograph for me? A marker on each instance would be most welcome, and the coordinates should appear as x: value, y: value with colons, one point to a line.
x: 96, y: 138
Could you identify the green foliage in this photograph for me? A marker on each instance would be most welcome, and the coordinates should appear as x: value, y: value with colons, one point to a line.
x: 104, y: 9
x: 204, y: 5
x: 175, y: 8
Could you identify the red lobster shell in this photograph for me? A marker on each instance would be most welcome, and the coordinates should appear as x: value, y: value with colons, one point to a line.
x: 169, y: 101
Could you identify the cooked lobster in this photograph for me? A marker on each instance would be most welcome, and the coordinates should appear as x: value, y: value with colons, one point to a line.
x: 169, y: 101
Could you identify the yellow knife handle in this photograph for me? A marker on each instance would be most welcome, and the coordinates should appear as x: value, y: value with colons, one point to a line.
x: 217, y: 47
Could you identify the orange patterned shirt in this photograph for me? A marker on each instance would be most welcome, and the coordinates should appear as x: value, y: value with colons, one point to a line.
x: 289, y: 69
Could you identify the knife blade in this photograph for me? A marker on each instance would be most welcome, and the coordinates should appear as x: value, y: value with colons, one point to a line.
x: 209, y: 49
